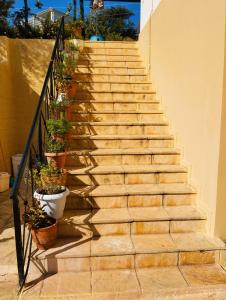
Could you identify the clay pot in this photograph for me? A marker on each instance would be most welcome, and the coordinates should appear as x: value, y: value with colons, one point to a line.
x: 69, y: 112
x: 56, y: 159
x: 56, y: 179
x: 77, y: 32
x: 45, y: 237
x: 71, y: 89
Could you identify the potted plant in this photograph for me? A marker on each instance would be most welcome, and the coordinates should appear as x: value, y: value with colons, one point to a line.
x: 53, y: 199
x: 65, y: 69
x: 50, y: 176
x: 55, y: 153
x: 77, y: 27
x: 58, y: 129
x: 43, y: 227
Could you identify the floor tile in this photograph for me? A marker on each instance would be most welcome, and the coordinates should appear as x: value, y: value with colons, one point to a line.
x: 203, y: 274
x: 114, y: 281
x: 148, y: 213
x: 192, y: 241
x: 160, y: 278
x: 112, y: 245
x: 153, y: 243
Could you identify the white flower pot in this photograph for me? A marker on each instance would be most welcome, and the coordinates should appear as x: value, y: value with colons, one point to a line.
x: 54, y: 204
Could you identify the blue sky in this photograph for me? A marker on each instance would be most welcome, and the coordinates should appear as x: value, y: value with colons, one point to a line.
x: 62, y: 5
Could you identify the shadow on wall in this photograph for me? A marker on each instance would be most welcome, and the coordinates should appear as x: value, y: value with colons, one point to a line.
x: 23, y: 65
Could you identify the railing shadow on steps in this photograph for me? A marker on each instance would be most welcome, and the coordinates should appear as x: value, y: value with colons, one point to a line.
x: 22, y: 191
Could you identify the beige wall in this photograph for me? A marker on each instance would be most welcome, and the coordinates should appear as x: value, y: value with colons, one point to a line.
x: 187, y: 65
x: 23, y: 64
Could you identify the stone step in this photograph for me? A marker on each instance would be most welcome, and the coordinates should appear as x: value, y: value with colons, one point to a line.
x: 87, y: 77
x: 109, y: 57
x: 136, y: 195
x: 114, y: 45
x: 200, y: 281
x: 128, y: 174
x: 116, y: 96
x: 125, y: 252
x: 126, y: 221
x: 120, y: 128
x: 155, y: 156
x: 117, y: 116
x: 113, y: 70
x: 115, y: 87
x: 82, y: 142
x: 123, y: 106
x: 110, y: 64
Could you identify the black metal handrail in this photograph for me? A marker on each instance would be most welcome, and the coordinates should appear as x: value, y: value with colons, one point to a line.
x: 22, y: 190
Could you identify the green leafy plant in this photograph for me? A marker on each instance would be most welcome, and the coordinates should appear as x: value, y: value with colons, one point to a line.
x: 49, y: 170
x: 54, y: 146
x: 37, y: 218
x: 58, y: 127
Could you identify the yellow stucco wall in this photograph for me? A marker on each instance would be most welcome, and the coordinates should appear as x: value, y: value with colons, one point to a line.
x: 187, y: 41
x: 23, y: 65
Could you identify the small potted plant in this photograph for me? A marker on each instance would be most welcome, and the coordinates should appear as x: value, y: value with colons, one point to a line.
x: 65, y: 70
x: 77, y: 27
x: 50, y: 176
x: 58, y: 129
x: 52, y: 198
x: 43, y: 227
x: 55, y: 153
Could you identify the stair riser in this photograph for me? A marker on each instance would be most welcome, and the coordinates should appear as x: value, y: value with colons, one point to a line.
x: 116, y: 64
x: 110, y: 71
x: 117, y: 117
x: 107, y: 160
x: 122, y: 107
x: 74, y: 202
x: 109, y: 51
x: 115, y: 87
x: 139, y: 178
x: 148, y: 227
x: 108, y: 96
x: 119, y: 129
x: 119, y: 144
x: 112, y: 46
x: 110, y: 78
x: 110, y: 58
x: 53, y: 265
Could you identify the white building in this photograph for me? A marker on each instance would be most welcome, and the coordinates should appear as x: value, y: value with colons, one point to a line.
x: 52, y: 13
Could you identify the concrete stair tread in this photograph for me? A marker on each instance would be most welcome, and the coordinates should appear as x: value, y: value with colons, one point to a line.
x: 126, y: 245
x: 132, y: 151
x: 128, y: 215
x: 78, y: 101
x: 135, y: 189
x: 169, y: 282
x: 119, y: 112
x: 116, y: 92
x: 124, y: 137
x: 127, y: 169
x: 156, y: 123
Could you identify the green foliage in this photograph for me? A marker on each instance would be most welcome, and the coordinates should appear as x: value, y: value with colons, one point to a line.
x: 54, y: 146
x: 5, y: 13
x: 49, y: 170
x: 58, y: 127
x: 37, y: 218
x: 113, y: 23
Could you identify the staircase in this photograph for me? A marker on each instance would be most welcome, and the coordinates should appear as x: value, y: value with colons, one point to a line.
x: 131, y: 223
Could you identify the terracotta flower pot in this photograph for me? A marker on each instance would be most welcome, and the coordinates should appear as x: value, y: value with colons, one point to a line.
x: 69, y: 112
x: 71, y: 89
x: 44, y: 237
x: 56, y: 159
x: 56, y: 179
x: 78, y: 32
